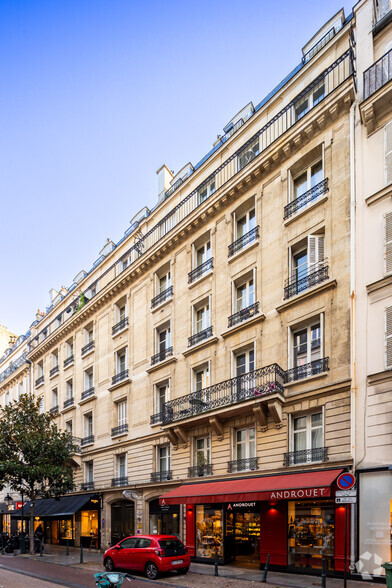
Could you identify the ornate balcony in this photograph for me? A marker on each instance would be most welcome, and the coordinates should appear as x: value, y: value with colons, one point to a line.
x: 88, y: 393
x: 318, y: 366
x: 252, y: 385
x: 243, y: 241
x: 39, y: 381
x: 242, y: 465
x: 165, y: 295
x: 120, y: 326
x: 87, y: 486
x: 54, y: 371
x: 162, y: 476
x: 120, y: 377
x: 200, y: 270
x: 68, y: 360
x: 200, y: 470
x: 87, y: 440
x: 200, y: 336
x: 306, y: 198
x: 313, y: 275
x: 69, y: 402
x: 243, y: 315
x: 377, y: 75
x: 122, y: 481
x: 89, y: 347
x: 120, y: 430
x: 319, y: 454
x: 162, y: 355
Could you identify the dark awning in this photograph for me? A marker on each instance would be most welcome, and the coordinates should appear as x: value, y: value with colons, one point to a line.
x: 50, y: 507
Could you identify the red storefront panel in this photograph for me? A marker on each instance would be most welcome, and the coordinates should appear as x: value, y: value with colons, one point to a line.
x: 273, y: 533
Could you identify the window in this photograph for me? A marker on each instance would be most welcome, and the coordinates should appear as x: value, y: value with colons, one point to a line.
x: 89, y: 379
x: 388, y: 242
x: 206, y: 191
x: 202, y: 262
x: 248, y: 153
x: 121, y: 465
x: 69, y: 389
x: 307, y: 437
x: 388, y: 338
x: 88, y: 424
x: 162, y: 395
x: 55, y: 398
x: 307, y: 345
x: 244, y: 450
x: 69, y: 427
x: 306, y: 356
x: 307, y: 265
x: 202, y: 452
x: 40, y: 369
x: 201, y: 377
x: 89, y: 472
x: 307, y: 179
x: 203, y: 254
x: 89, y: 334
x: 121, y: 361
x: 55, y: 359
x: 164, y: 459
x: 244, y: 362
x: 164, y: 282
x: 121, y: 313
x: 388, y: 153
x: 163, y: 340
x: 121, y: 413
x: 41, y: 405
x: 69, y: 348
x: 244, y: 294
x: 245, y: 223
x: 311, y: 99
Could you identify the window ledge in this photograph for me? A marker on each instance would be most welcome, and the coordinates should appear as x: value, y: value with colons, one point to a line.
x: 54, y: 375
x: 117, y: 435
x: 380, y: 195
x: 247, y: 247
x: 68, y: 408
x: 39, y: 385
x: 89, y: 352
x: 85, y: 400
x: 200, y: 345
x: 65, y: 367
x: 251, y: 321
x: 304, y: 209
x: 119, y: 384
x: 160, y: 364
x: 383, y: 283
x: 306, y: 294
x: 119, y: 332
x: 162, y: 304
x: 201, y: 278
x: 305, y: 380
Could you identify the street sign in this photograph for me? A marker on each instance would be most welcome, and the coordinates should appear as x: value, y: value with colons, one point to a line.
x: 345, y: 481
x: 345, y: 493
x: 345, y: 499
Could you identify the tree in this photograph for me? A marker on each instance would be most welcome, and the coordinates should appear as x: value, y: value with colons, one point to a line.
x: 35, y: 457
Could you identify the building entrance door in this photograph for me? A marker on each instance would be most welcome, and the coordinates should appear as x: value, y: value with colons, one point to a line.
x: 123, y: 520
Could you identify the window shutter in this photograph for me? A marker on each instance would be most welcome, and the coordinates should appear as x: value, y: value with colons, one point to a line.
x: 388, y: 337
x: 388, y: 242
x: 315, y: 249
x: 388, y: 153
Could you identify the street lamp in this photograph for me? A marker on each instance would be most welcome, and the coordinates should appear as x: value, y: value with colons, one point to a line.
x: 8, y: 500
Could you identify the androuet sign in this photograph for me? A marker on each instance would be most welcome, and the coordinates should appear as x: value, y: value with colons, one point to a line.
x: 300, y: 493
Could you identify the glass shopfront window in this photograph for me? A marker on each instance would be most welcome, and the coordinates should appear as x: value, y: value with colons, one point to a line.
x: 67, y: 529
x: 209, y: 531
x: 311, y: 534
x: 165, y: 519
x: 7, y: 523
x: 89, y: 527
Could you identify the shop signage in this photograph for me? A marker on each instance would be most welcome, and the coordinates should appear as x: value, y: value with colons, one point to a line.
x: 346, y: 499
x: 301, y: 493
x: 19, y: 505
x: 241, y: 505
x: 345, y: 481
x: 346, y: 493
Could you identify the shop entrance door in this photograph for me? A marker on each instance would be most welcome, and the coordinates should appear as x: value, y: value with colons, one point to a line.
x: 123, y: 520
x: 247, y: 537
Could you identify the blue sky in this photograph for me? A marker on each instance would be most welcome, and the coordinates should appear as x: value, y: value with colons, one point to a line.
x: 97, y: 94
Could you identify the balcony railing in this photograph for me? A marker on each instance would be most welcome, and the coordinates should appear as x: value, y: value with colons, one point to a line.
x: 318, y: 366
x: 88, y: 393
x: 162, y: 355
x: 305, y: 198
x: 13, y: 367
x: 258, y: 383
x: 120, y: 325
x: 54, y: 371
x: 87, y: 486
x: 200, y: 336
x: 200, y: 471
x: 120, y: 377
x: 161, y: 476
x: 68, y: 360
x: 121, y: 481
x: 120, y: 430
x: 54, y: 409
x: 243, y: 315
x: 165, y: 295
x: 249, y: 237
x: 88, y: 347
x: 319, y: 45
x: 39, y: 381
x: 377, y: 75
x: 200, y: 270
x: 242, y: 465
x: 87, y: 440
x: 77, y: 443
x: 69, y: 402
x: 319, y: 454
x: 311, y: 276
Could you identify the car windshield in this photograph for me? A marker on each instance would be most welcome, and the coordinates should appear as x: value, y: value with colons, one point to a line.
x: 170, y: 544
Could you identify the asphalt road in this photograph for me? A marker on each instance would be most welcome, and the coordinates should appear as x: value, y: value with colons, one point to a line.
x: 14, y: 580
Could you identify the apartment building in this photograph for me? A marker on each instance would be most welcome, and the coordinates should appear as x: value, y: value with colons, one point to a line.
x: 204, y: 361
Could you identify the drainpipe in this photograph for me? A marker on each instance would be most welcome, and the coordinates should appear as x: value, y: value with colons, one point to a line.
x: 29, y: 384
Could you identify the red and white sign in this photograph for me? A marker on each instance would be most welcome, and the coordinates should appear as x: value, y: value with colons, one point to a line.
x: 19, y: 505
x: 345, y: 481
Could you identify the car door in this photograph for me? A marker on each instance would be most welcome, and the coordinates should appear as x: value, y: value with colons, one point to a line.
x: 145, y: 552
x: 126, y: 556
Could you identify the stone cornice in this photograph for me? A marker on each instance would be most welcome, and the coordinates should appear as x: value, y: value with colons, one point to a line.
x: 378, y: 196
x: 379, y: 284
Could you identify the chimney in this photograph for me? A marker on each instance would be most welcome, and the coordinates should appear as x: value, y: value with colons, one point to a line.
x: 40, y: 315
x: 52, y: 295
x: 164, y: 177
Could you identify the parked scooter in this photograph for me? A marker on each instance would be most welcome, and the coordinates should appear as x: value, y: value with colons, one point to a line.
x: 111, y: 579
x: 13, y: 543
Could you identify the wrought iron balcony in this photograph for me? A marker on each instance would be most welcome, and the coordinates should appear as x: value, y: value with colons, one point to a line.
x: 88, y: 347
x: 377, y: 75
x: 303, y: 280
x: 120, y: 325
x: 243, y: 241
x: 69, y: 402
x: 200, y: 471
x: 258, y: 383
x: 13, y: 366
x: 318, y: 366
x: 120, y: 430
x: 54, y: 409
x: 200, y: 336
x: 165, y: 295
x: 243, y: 315
x: 39, y: 381
x: 242, y: 465
x: 200, y: 270
x: 162, y: 355
x: 87, y: 486
x: 122, y: 481
x: 87, y: 440
x: 161, y: 476
x: 54, y: 371
x: 305, y: 198
x: 87, y: 393
x: 319, y: 454
x: 120, y: 377
x: 68, y: 360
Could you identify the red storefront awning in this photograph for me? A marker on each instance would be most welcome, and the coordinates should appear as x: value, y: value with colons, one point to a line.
x: 283, y: 487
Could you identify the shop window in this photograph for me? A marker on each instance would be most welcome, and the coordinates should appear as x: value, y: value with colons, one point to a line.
x: 311, y: 534
x: 89, y: 524
x: 66, y: 530
x: 164, y: 520
x: 209, y: 531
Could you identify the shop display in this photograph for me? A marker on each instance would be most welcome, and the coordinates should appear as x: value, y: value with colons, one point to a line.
x: 209, y: 532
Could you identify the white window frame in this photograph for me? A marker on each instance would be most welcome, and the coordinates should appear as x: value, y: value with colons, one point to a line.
x: 68, y: 387
x: 158, y: 330
x: 123, y: 352
x: 86, y: 415
x: 89, y: 468
x: 86, y: 378
x: 204, y: 368
x: 204, y: 305
x: 55, y: 397
x: 310, y: 99
x: 308, y: 416
x: 122, y: 412
x: 318, y: 319
x: 308, y: 171
x: 243, y: 350
x: 238, y: 283
x: 206, y: 450
x: 207, y: 190
x: 69, y: 426
x: 247, y: 442
x: 315, y: 250
x: 207, y: 252
x: 117, y: 466
x: 157, y: 387
x: 54, y: 358
x: 237, y: 218
x: 247, y: 154
x: 167, y: 458
x: 69, y: 347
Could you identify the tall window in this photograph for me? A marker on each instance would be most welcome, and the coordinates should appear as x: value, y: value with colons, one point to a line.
x: 206, y: 191
x: 203, y: 253
x: 244, y: 294
x: 307, y: 265
x: 121, y: 465
x: 244, y: 362
x: 245, y: 223
x: 69, y: 389
x: 55, y: 398
x: 121, y: 361
x: 89, y: 472
x: 88, y: 424
x: 311, y: 99
x: 162, y: 394
x: 164, y: 282
x: 121, y: 413
x: 202, y: 451
x: 164, y: 464
x: 307, y: 179
x: 307, y: 436
x: 69, y: 348
x: 55, y: 359
x: 89, y: 379
x: 89, y: 334
x: 201, y: 377
x: 202, y: 317
x: 245, y: 444
x: 163, y: 339
x: 69, y: 427
x: 307, y: 345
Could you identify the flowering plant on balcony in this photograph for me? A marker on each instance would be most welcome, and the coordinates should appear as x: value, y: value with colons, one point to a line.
x: 259, y: 391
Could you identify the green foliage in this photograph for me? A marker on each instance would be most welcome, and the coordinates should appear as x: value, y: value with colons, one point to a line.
x: 82, y: 302
x: 34, y: 455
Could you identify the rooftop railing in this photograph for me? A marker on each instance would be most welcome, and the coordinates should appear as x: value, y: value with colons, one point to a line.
x: 377, y: 75
x: 13, y: 367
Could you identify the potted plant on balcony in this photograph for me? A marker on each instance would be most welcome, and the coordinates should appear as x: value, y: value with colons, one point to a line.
x: 201, y: 464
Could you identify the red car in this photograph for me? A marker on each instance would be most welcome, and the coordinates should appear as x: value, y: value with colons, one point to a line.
x: 151, y: 554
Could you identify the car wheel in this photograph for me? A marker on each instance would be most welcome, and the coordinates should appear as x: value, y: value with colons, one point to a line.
x: 183, y: 571
x: 109, y: 565
x: 152, y: 571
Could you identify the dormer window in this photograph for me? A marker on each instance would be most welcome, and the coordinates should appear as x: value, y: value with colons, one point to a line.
x: 207, y: 190
x: 248, y: 153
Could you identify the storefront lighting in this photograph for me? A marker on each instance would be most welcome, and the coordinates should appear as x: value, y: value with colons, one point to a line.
x: 174, y: 515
